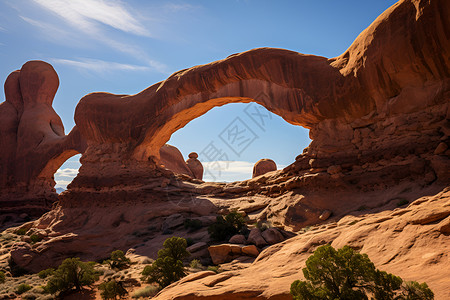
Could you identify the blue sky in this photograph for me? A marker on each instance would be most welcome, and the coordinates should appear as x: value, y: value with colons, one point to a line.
x: 125, y: 46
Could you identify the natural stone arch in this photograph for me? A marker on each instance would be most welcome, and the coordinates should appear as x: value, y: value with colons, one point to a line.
x: 303, y: 89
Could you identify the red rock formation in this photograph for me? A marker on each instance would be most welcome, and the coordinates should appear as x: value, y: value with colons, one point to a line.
x: 195, y: 165
x: 172, y: 159
x: 263, y: 166
x: 379, y: 120
x: 33, y: 144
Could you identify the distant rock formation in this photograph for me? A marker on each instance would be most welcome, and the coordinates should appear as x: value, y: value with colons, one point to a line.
x: 195, y: 165
x: 263, y: 166
x: 173, y: 160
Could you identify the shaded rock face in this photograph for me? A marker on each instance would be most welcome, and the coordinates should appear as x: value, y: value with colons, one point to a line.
x: 33, y: 144
x: 173, y: 160
x: 263, y: 166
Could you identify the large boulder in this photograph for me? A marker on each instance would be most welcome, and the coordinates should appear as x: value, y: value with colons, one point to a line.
x: 263, y: 166
x: 172, y: 159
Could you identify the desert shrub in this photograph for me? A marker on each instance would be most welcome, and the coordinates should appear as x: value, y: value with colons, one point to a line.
x: 45, y: 273
x: 2, y: 277
x: 22, y: 288
x: 215, y: 269
x: 226, y: 227
x: 261, y: 225
x: 111, y: 290
x: 35, y: 238
x: 118, y: 260
x: 192, y: 225
x: 148, y: 291
x: 168, y: 267
x: 21, y: 231
x: 71, y: 274
x: 402, y: 202
x: 346, y: 274
x: 195, y: 264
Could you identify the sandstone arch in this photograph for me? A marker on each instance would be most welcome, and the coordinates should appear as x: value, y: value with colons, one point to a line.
x: 287, y: 80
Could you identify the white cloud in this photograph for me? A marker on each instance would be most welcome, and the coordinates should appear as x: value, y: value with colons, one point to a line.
x: 68, y: 172
x: 86, y: 14
x: 50, y: 30
x: 97, y: 65
x: 82, y: 27
x: 228, y: 171
x: 2, y: 29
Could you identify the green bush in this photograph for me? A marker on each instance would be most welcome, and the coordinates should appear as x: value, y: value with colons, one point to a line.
x: 45, y: 273
x: 71, y: 274
x: 112, y: 290
x: 215, y: 269
x: 118, y: 260
x: 22, y: 288
x: 174, y: 247
x: 192, y: 225
x: 195, y: 264
x: 346, y: 274
x: 2, y: 277
x: 168, y: 267
x: 148, y: 291
x: 35, y: 238
x: 226, y: 227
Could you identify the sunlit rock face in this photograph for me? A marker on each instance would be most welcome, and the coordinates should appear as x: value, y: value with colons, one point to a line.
x: 379, y: 122
x: 32, y: 139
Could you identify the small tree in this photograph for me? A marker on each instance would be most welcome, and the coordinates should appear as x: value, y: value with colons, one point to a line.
x: 71, y: 274
x: 174, y: 247
x: 168, y: 267
x: 224, y: 228
x: 118, y: 260
x: 346, y: 274
x: 112, y: 290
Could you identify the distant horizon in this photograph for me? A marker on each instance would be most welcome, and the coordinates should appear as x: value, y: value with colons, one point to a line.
x: 124, y: 47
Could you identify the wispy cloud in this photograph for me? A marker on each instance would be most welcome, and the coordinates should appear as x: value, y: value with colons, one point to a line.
x: 2, y: 29
x: 65, y: 36
x: 87, y: 14
x: 97, y: 65
x: 49, y: 29
x: 67, y: 172
x: 62, y: 183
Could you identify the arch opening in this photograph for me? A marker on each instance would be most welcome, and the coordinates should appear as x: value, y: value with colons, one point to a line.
x: 229, y: 139
x: 66, y: 172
